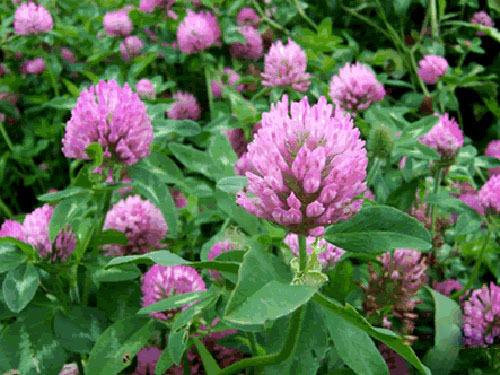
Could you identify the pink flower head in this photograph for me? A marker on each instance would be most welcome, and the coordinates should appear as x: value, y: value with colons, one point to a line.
x: 237, y: 139
x: 118, y: 22
x: 355, y: 87
x: 70, y: 369
x: 68, y: 55
x: 285, y: 65
x: 141, y: 222
x: 328, y: 254
x: 12, y: 228
x: 407, y: 267
x: 197, y: 32
x: 131, y: 47
x: 447, y: 287
x: 185, y: 107
x: 145, y: 89
x: 146, y: 360
x: 252, y: 49
x: 431, y: 68
x: 482, y: 18
x: 247, y: 16
x: 216, y: 250
x: 230, y: 78
x: 471, y: 199
x: 164, y: 281
x: 179, y: 198
x: 305, y: 166
x: 115, y: 117
x: 482, y: 316
x: 493, y: 151
x: 35, y: 66
x: 489, y: 195
x: 36, y: 233
x: 31, y: 19
x: 445, y: 137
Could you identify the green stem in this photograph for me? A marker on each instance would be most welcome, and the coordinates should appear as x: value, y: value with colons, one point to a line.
x: 303, y: 14
x: 434, y: 20
x: 432, y: 207
x: 302, y: 253
x: 5, y: 209
x: 263, y: 91
x: 6, y: 137
x: 267, y: 19
x: 253, y: 342
x: 209, y: 90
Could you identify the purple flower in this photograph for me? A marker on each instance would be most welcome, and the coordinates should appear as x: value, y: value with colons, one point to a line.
x: 35, y: 66
x: 216, y: 250
x: 31, y: 18
x: 36, y: 233
x: 145, y: 89
x: 252, y: 49
x: 482, y: 316
x: 118, y: 22
x: 149, y: 6
x: 305, y: 167
x: 493, y: 151
x: 229, y: 78
x: 146, y: 360
x: 164, y: 281
x: 328, y: 254
x: 445, y: 137
x: 185, y: 107
x: 447, y: 287
x: 141, y: 222
x: 247, y: 16
x: 115, y: 117
x: 489, y: 195
x: 68, y: 55
x: 285, y: 65
x: 131, y: 47
x: 237, y: 139
x: 431, y: 68
x: 396, y: 364
x: 70, y: 369
x: 482, y: 18
x: 471, y: 199
x: 12, y: 228
x: 179, y: 198
x: 355, y: 88
x: 197, y: 32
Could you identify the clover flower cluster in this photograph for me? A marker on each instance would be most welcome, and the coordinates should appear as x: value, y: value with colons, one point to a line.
x: 445, y: 137
x: 197, y: 32
x: 493, y: 151
x: 35, y: 66
x: 113, y: 116
x: 482, y: 18
x: 252, y: 48
x: 130, y: 47
x: 68, y: 55
x: 247, y: 16
x: 229, y: 78
x: 185, y: 107
x: 216, y: 250
x: 32, y: 19
x: 481, y: 320
x: 118, y: 22
x: 489, y: 195
x: 305, y: 167
x: 145, y: 89
x: 141, y: 222
x: 328, y: 254
x: 447, y: 287
x: 160, y: 282
x: 285, y: 65
x: 431, y: 68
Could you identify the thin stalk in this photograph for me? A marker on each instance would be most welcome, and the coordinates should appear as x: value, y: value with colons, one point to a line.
x: 432, y: 207
x: 6, y: 137
x: 441, y: 106
x: 302, y: 253
x: 263, y: 91
x: 367, y: 21
x: 209, y: 91
x: 253, y: 342
x: 266, y: 19
x: 303, y: 14
x: 434, y: 20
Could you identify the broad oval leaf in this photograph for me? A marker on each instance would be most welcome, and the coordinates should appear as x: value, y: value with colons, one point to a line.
x: 174, y: 301
x: 19, y: 286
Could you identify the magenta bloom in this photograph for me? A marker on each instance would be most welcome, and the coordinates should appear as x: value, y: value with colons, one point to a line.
x: 306, y: 165
x: 237, y: 139
x: 396, y: 364
x: 247, y: 16
x: 35, y: 66
x: 482, y: 316
x: 118, y: 22
x: 185, y: 107
x: 70, y: 369
x: 147, y: 359
x: 285, y: 65
x: 230, y: 78
x: 197, y: 32
x: 179, y: 198
x: 216, y: 250
x: 431, y: 68
x: 328, y: 254
x: 482, y: 18
x: 68, y: 55
x: 31, y: 19
x: 141, y: 222
x: 36, y: 233
x: 489, y: 195
x: 115, y: 117
x: 447, y: 287
x: 164, y: 281
x: 131, y: 47
x: 145, y: 89
x: 12, y: 228
x: 471, y: 199
x: 252, y: 49
x: 493, y: 151
x: 445, y: 137
x: 355, y: 88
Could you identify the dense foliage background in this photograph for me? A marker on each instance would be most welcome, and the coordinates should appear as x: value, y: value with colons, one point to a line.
x: 366, y: 311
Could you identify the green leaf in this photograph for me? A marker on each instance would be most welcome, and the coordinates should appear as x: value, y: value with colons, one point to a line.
x: 176, y: 345
x: 27, y: 249
x: 19, y: 286
x: 209, y: 363
x: 401, y: 6
x: 173, y: 302
x: 118, y: 345
x: 58, y: 195
x: 378, y: 229
x: 66, y: 211
x: 193, y: 159
x: 111, y: 236
x: 448, y: 322
x: 389, y: 338
x: 10, y: 258
x: 120, y: 273
x: 163, y: 257
x: 184, y: 128
x: 95, y: 152
x: 79, y: 329
x: 222, y: 155
x: 350, y: 341
x: 232, y: 184
x: 164, y: 363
